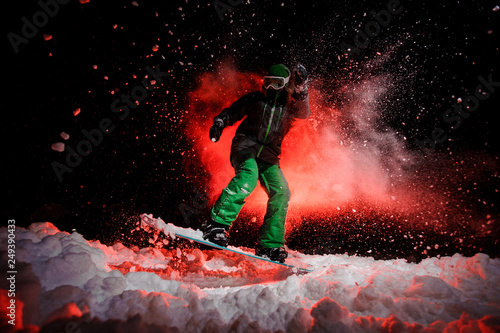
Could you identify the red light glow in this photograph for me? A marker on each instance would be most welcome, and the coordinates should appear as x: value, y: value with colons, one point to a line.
x: 333, y: 161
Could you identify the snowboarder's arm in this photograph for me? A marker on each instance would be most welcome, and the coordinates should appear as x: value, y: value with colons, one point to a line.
x: 236, y: 111
x: 300, y: 96
x: 230, y: 115
x: 300, y: 107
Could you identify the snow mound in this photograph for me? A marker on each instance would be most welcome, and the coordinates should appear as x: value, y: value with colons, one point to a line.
x: 66, y: 283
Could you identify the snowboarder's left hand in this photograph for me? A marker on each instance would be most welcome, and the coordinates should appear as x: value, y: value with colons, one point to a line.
x: 300, y: 78
x: 216, y: 129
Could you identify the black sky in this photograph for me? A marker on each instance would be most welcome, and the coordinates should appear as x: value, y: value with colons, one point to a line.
x: 437, y: 50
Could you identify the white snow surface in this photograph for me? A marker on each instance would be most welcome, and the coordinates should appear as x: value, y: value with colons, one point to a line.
x: 64, y: 280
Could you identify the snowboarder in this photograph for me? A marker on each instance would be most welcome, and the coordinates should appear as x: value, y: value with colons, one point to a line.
x: 255, y: 153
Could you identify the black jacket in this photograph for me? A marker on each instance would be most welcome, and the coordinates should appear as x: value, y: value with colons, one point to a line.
x: 267, y: 122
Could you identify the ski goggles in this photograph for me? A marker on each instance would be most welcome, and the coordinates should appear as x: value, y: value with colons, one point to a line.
x: 275, y: 82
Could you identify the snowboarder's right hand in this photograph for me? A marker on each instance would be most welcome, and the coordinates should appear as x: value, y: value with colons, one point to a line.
x: 216, y: 129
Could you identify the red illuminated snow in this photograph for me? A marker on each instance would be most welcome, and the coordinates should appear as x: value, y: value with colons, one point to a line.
x: 66, y: 282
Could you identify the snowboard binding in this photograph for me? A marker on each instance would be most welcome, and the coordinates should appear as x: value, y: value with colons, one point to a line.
x: 216, y: 233
x: 278, y: 254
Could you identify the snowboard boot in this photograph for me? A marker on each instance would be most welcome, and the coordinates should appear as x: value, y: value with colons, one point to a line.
x: 216, y: 233
x: 278, y: 254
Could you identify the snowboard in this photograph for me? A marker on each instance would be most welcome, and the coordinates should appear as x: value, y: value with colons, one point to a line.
x: 148, y: 221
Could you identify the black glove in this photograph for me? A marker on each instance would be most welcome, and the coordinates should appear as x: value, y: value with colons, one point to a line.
x: 300, y: 75
x: 216, y: 129
x: 300, y: 80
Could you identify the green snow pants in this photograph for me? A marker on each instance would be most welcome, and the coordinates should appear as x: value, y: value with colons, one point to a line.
x: 232, y: 199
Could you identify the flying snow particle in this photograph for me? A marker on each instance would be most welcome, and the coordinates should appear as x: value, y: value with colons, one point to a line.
x: 76, y: 112
x: 64, y: 135
x: 135, y: 4
x: 47, y: 37
x: 496, y: 8
x: 58, y: 146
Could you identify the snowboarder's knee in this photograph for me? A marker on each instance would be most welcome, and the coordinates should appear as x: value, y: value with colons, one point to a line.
x: 282, y: 193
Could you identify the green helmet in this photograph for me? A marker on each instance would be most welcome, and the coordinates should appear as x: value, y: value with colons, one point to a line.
x: 277, y: 77
x: 279, y: 70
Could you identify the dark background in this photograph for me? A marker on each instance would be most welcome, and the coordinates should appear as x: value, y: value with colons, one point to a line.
x: 441, y: 47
